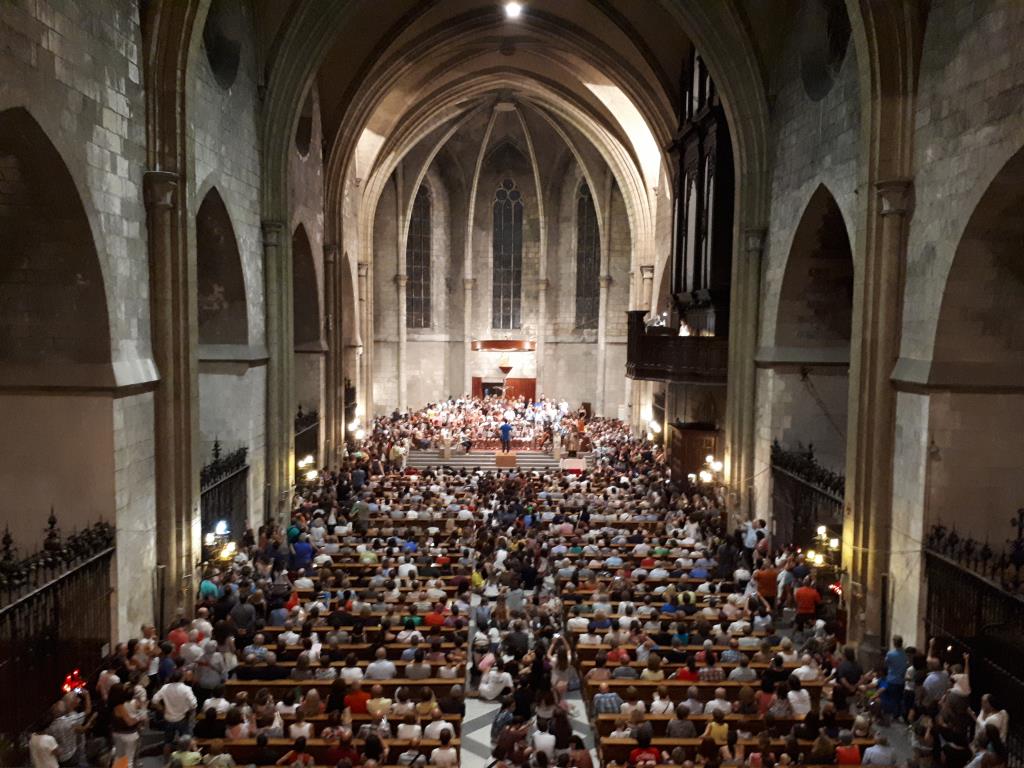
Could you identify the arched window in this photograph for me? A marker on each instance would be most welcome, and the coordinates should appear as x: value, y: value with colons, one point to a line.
x: 507, y: 278
x: 417, y: 263
x: 588, y: 260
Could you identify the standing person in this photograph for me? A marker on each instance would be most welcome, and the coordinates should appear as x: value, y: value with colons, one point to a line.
x: 896, y: 663
x: 177, y: 702
x: 807, y: 600
x: 506, y: 436
x: 42, y: 747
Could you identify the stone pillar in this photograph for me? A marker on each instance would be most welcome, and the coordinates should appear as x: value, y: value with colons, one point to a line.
x: 174, y: 333
x: 401, y: 281
x: 602, y: 340
x: 542, y: 324
x: 642, y: 389
x: 366, y: 325
x: 467, y: 324
x: 280, y: 436
x: 867, y: 527
x: 333, y: 419
x: 742, y: 386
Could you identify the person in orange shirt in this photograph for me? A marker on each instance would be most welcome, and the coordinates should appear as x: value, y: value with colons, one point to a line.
x: 807, y: 600
x: 767, y: 578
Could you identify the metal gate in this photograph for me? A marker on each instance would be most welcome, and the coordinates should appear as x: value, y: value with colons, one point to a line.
x: 975, y: 603
x: 224, y: 489
x: 804, y: 496
x: 55, y: 617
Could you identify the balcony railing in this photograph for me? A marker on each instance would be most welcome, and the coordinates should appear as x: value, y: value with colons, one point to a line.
x: 659, y: 354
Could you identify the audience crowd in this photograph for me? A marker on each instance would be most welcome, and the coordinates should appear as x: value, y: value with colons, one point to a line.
x: 616, y: 597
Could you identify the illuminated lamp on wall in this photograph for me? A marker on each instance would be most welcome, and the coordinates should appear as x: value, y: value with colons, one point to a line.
x: 504, y: 365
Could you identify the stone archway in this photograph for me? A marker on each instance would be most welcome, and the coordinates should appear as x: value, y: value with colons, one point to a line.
x: 306, y: 326
x: 55, y: 350
x: 976, y: 407
x: 221, y: 293
x: 811, y: 357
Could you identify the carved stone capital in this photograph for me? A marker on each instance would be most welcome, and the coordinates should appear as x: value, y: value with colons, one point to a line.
x: 753, y: 240
x: 647, y: 271
x: 401, y: 280
x: 468, y: 283
x: 605, y: 280
x: 895, y: 197
x: 273, y: 233
x: 160, y: 189
x: 363, y: 268
x: 330, y: 252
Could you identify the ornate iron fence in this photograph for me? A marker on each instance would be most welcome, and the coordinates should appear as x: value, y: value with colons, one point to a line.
x: 804, y: 496
x: 224, y: 490
x: 975, y: 603
x: 55, y: 617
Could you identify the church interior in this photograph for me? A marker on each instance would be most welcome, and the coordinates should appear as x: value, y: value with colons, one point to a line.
x: 553, y: 336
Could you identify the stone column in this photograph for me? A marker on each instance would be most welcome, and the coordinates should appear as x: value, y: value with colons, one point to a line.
x: 467, y: 320
x: 867, y: 528
x: 280, y: 436
x: 542, y: 324
x: 642, y: 389
x: 742, y: 386
x: 333, y: 418
x: 174, y: 333
x: 602, y: 340
x: 366, y: 325
x: 401, y: 281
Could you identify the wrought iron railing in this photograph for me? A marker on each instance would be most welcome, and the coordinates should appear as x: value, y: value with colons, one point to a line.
x: 1004, y: 568
x: 55, y: 617
x: 224, y: 484
x: 803, y: 465
x: 306, y: 420
x: 975, y: 603
x: 222, y: 465
x: 22, y: 576
x: 307, y: 434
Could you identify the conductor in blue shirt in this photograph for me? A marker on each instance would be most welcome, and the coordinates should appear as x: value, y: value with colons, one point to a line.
x: 506, y: 436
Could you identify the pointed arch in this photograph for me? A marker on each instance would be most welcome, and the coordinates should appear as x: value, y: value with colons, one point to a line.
x: 220, y: 284
x: 54, y: 324
x: 816, y: 301
x: 305, y: 292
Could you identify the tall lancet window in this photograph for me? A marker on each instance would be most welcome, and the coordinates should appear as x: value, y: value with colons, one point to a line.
x: 417, y: 263
x: 507, y: 278
x: 588, y: 260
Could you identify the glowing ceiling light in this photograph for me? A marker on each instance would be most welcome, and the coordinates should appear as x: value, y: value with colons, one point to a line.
x: 513, y: 10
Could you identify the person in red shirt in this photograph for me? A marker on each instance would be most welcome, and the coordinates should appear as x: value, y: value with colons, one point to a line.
x: 807, y: 601
x: 355, y: 700
x: 618, y: 655
x: 435, y: 618
x: 644, y: 753
x: 343, y: 750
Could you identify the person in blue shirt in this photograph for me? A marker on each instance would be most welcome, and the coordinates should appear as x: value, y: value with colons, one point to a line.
x: 506, y: 436
x: 896, y: 663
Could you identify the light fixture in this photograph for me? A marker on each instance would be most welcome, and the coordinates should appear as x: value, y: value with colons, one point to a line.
x: 833, y: 543
x: 655, y: 426
x: 705, y: 476
x: 360, y: 434
x: 209, y: 540
x: 309, y: 459
x: 221, y: 528
x: 822, y: 530
x: 716, y: 466
x: 691, y: 477
x: 709, y: 458
x: 513, y: 10
x: 811, y: 554
x: 353, y: 426
x: 819, y: 559
x: 311, y: 475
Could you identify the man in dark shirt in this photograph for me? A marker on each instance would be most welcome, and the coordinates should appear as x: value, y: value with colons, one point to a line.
x: 848, y: 675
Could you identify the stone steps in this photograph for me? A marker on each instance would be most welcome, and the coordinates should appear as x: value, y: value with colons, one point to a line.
x: 483, y: 459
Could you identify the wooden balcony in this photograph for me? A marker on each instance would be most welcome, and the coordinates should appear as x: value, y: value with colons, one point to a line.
x: 659, y: 354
